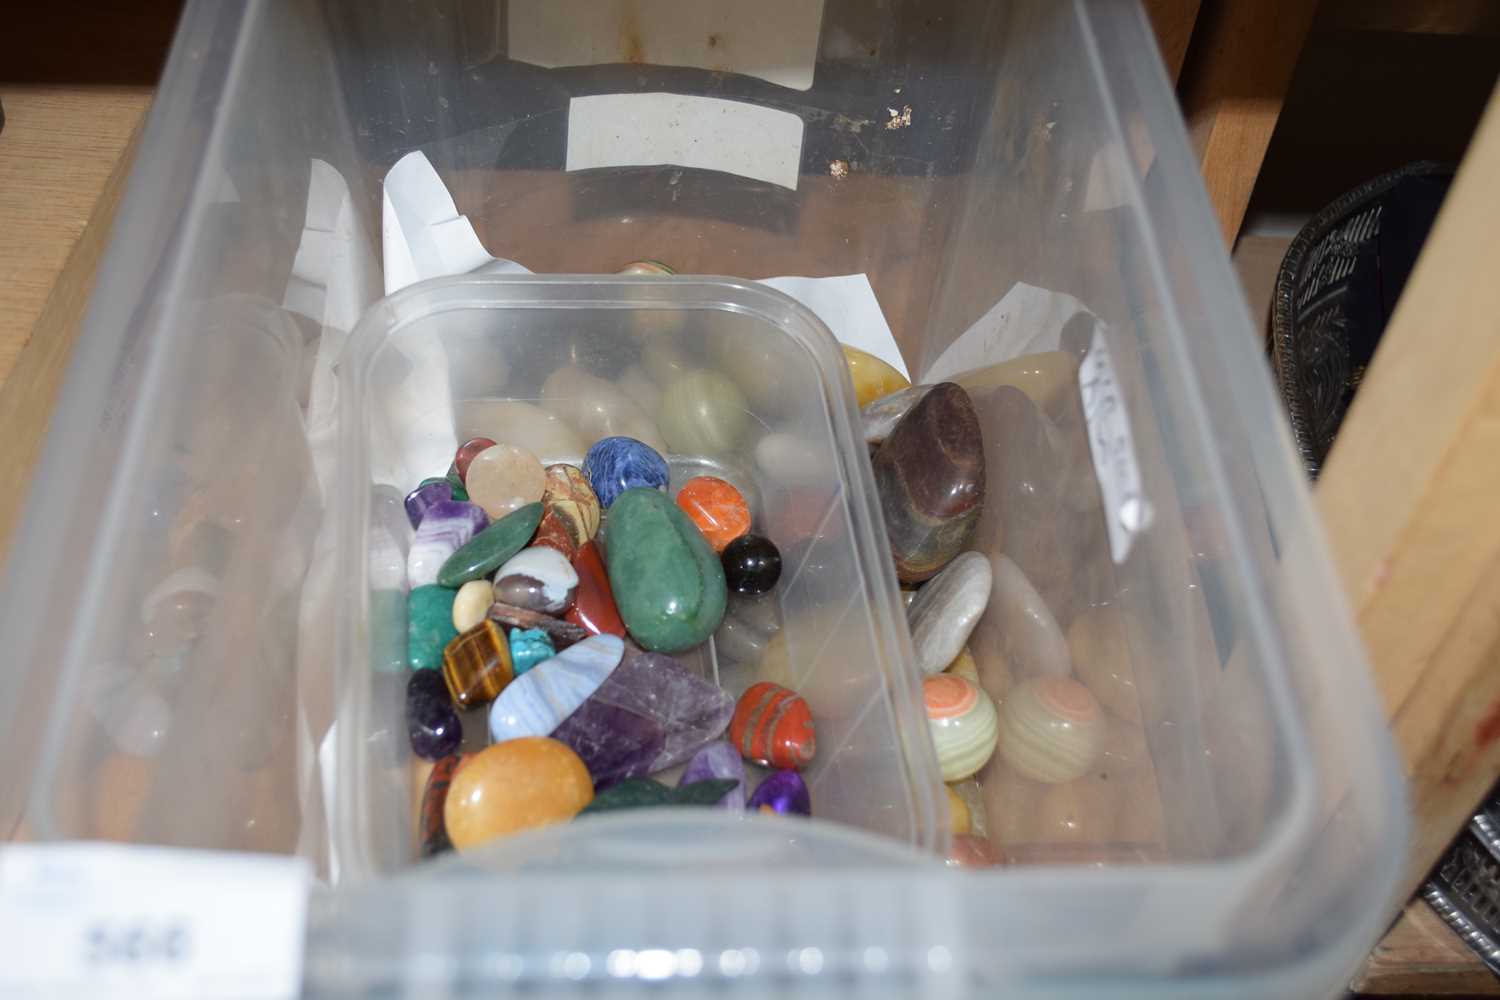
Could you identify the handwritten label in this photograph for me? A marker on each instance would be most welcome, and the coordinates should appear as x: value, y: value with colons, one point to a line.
x: 114, y: 920
x: 1127, y: 511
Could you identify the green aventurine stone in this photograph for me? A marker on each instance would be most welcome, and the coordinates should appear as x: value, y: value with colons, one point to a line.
x: 641, y: 793
x: 460, y: 492
x: 666, y: 579
x: 429, y: 625
x: 484, y: 553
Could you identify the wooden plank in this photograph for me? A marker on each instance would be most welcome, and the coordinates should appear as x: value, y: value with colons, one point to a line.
x: 36, y: 337
x: 1232, y: 87
x: 1173, y: 22
x: 1429, y: 17
x: 1408, y: 501
x: 1421, y: 956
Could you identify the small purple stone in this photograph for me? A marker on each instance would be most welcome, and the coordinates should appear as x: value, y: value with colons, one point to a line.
x: 649, y: 714
x: 447, y: 526
x: 718, y: 760
x: 420, y: 500
x: 783, y: 792
x: 431, y: 721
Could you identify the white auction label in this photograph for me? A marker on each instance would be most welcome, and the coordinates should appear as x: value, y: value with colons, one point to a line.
x: 1127, y: 511
x: 114, y: 920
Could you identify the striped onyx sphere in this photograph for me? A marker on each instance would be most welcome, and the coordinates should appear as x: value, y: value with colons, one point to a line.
x: 1051, y: 729
x: 962, y: 721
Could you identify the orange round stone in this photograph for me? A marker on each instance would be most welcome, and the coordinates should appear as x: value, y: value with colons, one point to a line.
x: 517, y: 785
x: 772, y: 725
x: 716, y: 507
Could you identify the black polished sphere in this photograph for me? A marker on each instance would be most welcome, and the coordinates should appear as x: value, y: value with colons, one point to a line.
x: 752, y: 565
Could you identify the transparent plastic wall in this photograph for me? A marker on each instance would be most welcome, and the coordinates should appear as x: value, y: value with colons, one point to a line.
x: 169, y: 594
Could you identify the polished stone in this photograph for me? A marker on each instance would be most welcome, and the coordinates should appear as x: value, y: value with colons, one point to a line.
x: 651, y: 267
x: 489, y: 549
x: 650, y: 714
x: 570, y: 510
x: 422, y: 499
x: 872, y: 377
x: 472, y: 604
x: 594, y: 606
x: 960, y: 818
x: 539, y: 578
x: 1020, y: 627
x: 528, y: 647
x: 446, y: 527
x: 963, y: 724
x: 432, y: 725
x: 432, y: 833
x: 929, y: 475
x: 467, y: 452
x: 537, y: 702
x: 477, y: 665
x: 525, y: 425
x: 666, y: 580
x: 642, y: 793
x: 1051, y: 729
x: 752, y: 565
x: 946, y: 609
x: 597, y: 408
x: 504, y: 478
x: 562, y: 633
x: 429, y: 625
x: 703, y: 413
x: 719, y: 759
x: 783, y: 792
x: 716, y: 507
x: 521, y: 784
x: 616, y: 464
x: 879, y: 417
x: 772, y: 725
x: 1100, y: 653
x: 969, y: 851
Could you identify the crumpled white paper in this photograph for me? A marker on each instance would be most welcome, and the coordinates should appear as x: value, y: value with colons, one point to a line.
x: 424, y: 236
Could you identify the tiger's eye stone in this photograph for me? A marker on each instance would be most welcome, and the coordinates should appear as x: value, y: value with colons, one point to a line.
x: 467, y: 452
x: 716, y: 507
x: 521, y: 784
x: 503, y: 478
x: 772, y: 725
x: 477, y: 665
x: 872, y: 377
x: 929, y: 475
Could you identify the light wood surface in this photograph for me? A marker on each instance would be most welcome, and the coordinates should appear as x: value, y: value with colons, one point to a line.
x: 63, y: 161
x: 1232, y: 87
x: 1408, y: 498
x: 1422, y: 957
x: 1172, y: 21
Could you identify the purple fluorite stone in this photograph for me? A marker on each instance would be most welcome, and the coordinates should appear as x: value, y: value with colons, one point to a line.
x: 447, y: 526
x: 431, y: 721
x: 420, y: 500
x: 783, y: 792
x: 649, y: 714
x: 718, y: 760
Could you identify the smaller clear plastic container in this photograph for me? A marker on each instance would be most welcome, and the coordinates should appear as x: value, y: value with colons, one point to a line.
x: 553, y: 363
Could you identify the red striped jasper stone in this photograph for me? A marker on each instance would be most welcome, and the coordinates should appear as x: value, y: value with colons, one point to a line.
x: 772, y: 725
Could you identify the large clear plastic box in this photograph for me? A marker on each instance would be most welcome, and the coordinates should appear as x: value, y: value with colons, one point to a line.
x: 169, y: 597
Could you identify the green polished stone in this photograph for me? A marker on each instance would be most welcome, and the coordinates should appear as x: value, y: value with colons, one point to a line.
x: 460, y: 491
x: 429, y: 625
x: 667, y: 582
x: 484, y: 553
x: 643, y: 793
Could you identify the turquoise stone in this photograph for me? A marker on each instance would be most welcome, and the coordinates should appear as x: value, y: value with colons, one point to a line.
x: 486, y: 551
x: 429, y: 625
x: 641, y: 793
x: 667, y: 581
x: 528, y: 647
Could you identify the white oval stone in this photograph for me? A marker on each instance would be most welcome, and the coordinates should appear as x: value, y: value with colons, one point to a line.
x: 547, y: 571
x: 946, y: 609
x: 472, y: 603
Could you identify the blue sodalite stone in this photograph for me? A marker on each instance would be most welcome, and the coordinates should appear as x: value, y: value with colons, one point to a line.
x: 616, y: 464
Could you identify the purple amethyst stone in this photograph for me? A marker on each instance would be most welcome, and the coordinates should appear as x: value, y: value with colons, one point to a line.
x: 782, y: 792
x: 718, y: 760
x: 420, y: 500
x: 431, y: 722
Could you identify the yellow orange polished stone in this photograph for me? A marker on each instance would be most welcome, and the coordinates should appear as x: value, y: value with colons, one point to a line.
x: 958, y: 812
x: 872, y: 377
x: 517, y: 785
